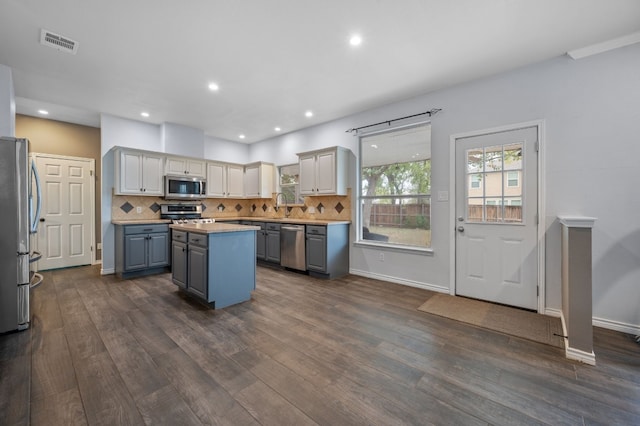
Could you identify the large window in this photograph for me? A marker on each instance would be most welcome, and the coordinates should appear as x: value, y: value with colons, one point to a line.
x: 395, y: 182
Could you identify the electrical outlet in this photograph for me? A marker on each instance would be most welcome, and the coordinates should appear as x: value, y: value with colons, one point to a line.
x: 381, y: 257
x: 138, y: 210
x: 99, y: 246
x: 312, y: 210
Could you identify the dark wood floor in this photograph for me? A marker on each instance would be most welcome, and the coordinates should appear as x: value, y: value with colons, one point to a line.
x: 302, y: 351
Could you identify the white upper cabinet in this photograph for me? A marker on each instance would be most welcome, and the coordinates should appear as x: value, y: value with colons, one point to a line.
x: 235, y: 181
x: 185, y: 166
x: 324, y: 172
x: 139, y: 173
x: 259, y: 180
x: 225, y: 180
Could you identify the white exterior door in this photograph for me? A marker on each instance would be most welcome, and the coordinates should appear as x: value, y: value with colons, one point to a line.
x: 496, y: 217
x: 65, y: 233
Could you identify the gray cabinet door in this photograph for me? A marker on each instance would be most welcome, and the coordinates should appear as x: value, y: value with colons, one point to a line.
x: 272, y: 246
x: 261, y: 244
x: 317, y: 253
x: 179, y: 264
x: 135, y: 250
x: 158, y: 245
x: 197, y: 267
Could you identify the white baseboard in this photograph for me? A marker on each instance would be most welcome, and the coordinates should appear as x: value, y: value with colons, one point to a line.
x: 401, y: 281
x: 553, y: 312
x: 617, y: 326
x: 572, y: 353
x: 582, y: 356
x: 108, y: 271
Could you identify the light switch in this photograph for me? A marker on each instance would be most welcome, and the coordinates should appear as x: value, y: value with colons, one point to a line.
x: 443, y: 195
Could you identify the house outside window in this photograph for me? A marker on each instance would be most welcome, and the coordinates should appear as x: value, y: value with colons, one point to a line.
x: 395, y: 187
x: 476, y: 181
x: 513, y: 179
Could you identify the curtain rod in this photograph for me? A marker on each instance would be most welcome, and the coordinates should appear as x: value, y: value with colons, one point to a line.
x: 388, y: 122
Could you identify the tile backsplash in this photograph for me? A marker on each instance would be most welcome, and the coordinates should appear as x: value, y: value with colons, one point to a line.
x: 330, y: 207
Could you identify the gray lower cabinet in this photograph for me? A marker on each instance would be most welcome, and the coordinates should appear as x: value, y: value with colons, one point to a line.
x: 272, y: 243
x: 197, y: 261
x: 327, y: 250
x: 261, y: 239
x: 179, y: 263
x: 141, y: 249
x: 316, y: 248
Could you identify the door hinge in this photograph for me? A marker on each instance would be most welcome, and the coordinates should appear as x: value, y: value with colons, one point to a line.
x: 90, y: 172
x: 91, y: 248
x: 538, y: 290
x: 537, y: 146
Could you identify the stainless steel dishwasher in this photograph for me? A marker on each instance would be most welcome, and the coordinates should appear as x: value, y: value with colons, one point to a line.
x: 292, y: 247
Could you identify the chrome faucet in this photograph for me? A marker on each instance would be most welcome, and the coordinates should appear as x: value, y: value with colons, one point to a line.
x: 286, y: 205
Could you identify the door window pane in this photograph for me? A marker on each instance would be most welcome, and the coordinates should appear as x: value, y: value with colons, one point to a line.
x: 494, y: 184
x: 493, y: 158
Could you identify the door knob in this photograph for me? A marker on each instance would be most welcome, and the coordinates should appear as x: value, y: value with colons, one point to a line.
x: 460, y: 228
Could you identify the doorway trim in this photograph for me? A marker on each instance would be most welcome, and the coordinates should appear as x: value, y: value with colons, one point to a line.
x: 540, y: 125
x: 92, y: 192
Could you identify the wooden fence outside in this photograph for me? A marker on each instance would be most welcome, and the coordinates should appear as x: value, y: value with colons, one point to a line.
x: 399, y: 215
x: 419, y: 215
x: 511, y: 213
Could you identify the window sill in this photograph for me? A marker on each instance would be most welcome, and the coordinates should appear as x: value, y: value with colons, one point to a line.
x: 425, y: 251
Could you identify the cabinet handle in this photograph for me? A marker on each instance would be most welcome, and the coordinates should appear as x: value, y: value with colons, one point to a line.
x: 148, y: 229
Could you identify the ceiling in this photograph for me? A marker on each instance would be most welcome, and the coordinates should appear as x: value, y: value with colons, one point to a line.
x: 274, y: 60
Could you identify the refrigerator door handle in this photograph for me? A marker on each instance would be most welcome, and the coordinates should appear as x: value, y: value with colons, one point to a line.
x: 35, y: 217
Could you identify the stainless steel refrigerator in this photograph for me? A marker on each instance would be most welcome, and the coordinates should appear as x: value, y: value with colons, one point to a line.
x: 19, y: 216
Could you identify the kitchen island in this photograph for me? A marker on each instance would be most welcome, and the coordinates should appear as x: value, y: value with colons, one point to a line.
x: 215, y: 262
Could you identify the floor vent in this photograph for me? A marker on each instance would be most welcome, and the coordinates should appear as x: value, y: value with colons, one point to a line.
x: 58, y: 42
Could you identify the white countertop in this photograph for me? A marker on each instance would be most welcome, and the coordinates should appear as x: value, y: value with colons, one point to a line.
x: 212, y: 228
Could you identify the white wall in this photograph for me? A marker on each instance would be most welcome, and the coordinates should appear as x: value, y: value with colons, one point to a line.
x: 224, y: 150
x: 7, y: 103
x: 590, y: 108
x: 182, y: 140
x: 117, y: 131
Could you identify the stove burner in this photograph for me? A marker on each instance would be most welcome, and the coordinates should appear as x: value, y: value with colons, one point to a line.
x: 193, y: 221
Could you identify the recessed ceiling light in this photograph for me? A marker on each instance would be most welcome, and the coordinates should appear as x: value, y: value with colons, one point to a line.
x: 308, y: 114
x: 144, y: 114
x: 355, y: 40
x: 213, y: 87
x: 43, y: 112
x: 241, y: 136
x: 277, y: 129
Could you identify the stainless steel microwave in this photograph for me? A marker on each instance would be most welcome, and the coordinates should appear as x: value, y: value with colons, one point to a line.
x: 184, y: 187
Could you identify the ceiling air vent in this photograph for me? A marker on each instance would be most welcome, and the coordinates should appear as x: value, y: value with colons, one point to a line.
x: 58, y: 42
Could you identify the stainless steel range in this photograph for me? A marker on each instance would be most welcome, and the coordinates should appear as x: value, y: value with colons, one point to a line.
x: 181, y: 213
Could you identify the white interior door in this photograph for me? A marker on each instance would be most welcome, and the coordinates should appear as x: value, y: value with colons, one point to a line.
x: 496, y: 217
x: 65, y: 234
